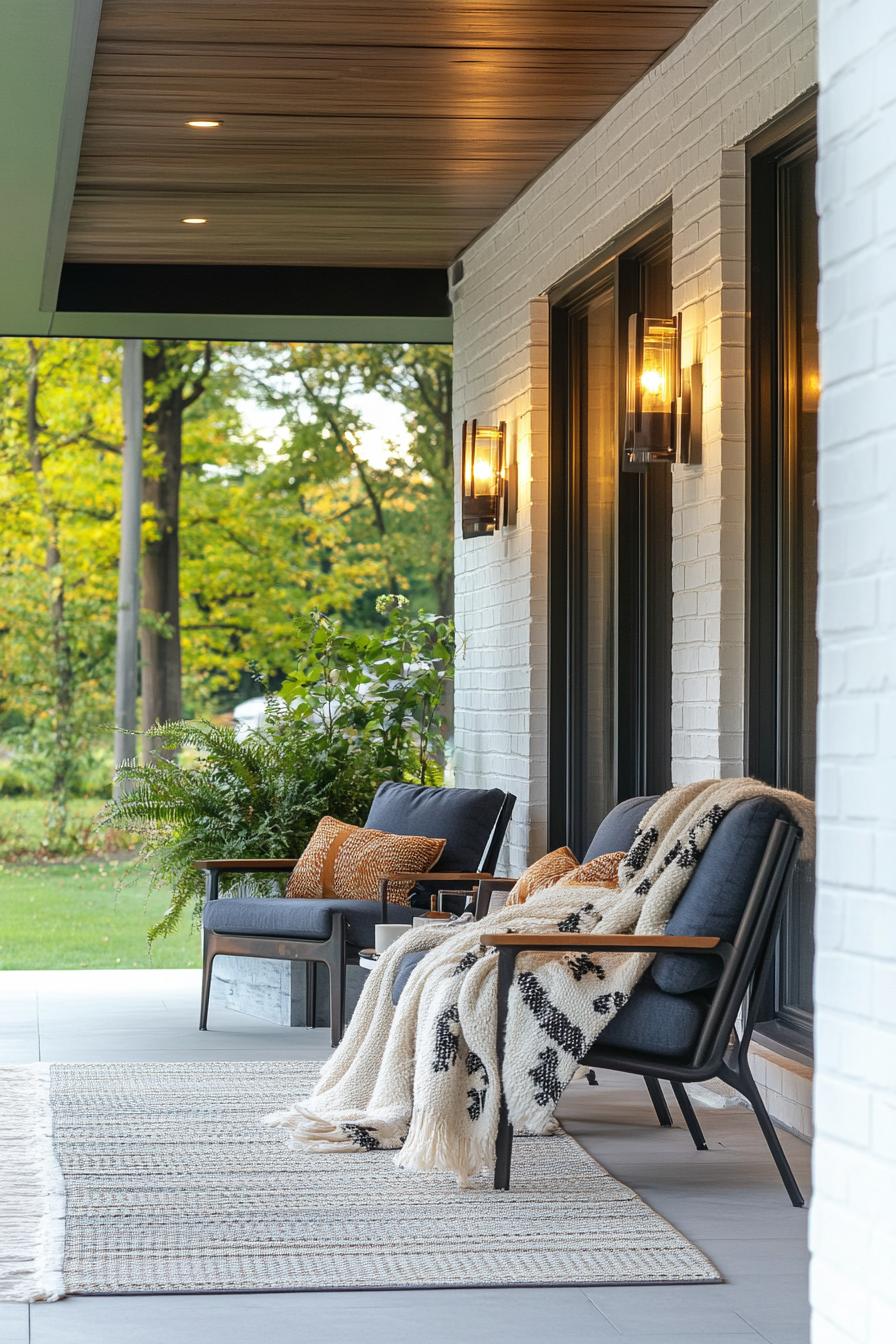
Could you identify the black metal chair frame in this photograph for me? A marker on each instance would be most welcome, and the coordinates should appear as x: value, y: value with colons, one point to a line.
x: 332, y: 952
x: 720, y: 1052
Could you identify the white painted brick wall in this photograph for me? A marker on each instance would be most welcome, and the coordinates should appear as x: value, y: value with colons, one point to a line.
x: 678, y: 134
x: 853, y: 1223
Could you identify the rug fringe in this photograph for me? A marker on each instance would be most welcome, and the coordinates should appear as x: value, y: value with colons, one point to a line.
x: 32, y: 1191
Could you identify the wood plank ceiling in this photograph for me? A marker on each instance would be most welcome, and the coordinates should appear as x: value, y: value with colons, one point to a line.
x: 353, y: 132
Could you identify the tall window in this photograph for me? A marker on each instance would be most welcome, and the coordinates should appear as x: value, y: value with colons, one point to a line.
x: 783, y: 671
x: 611, y: 537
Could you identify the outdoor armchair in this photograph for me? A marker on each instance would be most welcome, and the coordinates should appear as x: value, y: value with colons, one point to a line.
x: 472, y: 822
x: 691, y: 1017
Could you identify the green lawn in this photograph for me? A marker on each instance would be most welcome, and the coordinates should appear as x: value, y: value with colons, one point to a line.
x: 71, y: 915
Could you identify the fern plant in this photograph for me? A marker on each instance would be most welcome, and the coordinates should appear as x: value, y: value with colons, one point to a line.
x: 357, y: 709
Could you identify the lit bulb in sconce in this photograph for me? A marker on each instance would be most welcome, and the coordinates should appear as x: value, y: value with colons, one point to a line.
x: 653, y: 382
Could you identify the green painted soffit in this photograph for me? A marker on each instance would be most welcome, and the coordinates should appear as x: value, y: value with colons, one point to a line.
x: 37, y: 40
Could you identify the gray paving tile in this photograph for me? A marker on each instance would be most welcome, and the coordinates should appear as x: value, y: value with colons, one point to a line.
x: 787, y: 1335
x: 767, y: 1259
x: 489, y: 1316
x: 700, y: 1310
x: 669, y: 1335
x: 23, y: 1048
x: 13, y: 1323
x: 776, y: 1307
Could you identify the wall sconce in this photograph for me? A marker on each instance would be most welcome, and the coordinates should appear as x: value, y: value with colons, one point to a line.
x: 651, y: 390
x: 663, y: 403
x: 483, y: 478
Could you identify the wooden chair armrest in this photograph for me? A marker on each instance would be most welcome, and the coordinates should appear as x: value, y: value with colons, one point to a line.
x: 402, y: 875
x: 245, y: 865
x: 405, y: 875
x: 595, y: 942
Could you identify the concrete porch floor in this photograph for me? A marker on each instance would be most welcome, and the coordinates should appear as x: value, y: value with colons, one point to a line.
x: 728, y: 1200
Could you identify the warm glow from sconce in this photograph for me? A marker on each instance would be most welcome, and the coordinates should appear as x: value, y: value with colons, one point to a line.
x: 203, y: 124
x: 653, y: 383
x: 812, y: 388
x: 194, y: 219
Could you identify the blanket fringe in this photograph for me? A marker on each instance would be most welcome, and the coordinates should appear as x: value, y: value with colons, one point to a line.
x: 436, y: 1144
x: 305, y: 1129
x: 32, y: 1191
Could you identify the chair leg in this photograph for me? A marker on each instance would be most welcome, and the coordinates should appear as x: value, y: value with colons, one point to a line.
x: 337, y: 1000
x: 655, y: 1088
x: 503, y: 1150
x: 745, y: 1083
x: 310, y: 993
x: 208, y: 958
x: 690, y: 1118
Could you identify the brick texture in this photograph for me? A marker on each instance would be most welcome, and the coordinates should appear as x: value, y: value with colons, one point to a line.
x: 678, y: 136
x: 853, y: 1228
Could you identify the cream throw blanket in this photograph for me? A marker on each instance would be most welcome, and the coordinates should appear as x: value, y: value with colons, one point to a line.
x: 420, y: 1076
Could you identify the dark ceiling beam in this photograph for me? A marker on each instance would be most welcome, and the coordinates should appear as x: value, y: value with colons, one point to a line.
x: 325, y: 291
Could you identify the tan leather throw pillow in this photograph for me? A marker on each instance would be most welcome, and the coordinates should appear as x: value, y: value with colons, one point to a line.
x: 543, y: 873
x: 344, y: 863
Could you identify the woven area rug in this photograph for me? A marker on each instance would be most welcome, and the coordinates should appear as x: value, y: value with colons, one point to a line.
x: 172, y: 1185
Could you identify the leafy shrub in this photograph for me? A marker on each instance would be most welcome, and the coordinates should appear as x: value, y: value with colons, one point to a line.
x: 356, y: 710
x: 16, y: 781
x: 27, y: 768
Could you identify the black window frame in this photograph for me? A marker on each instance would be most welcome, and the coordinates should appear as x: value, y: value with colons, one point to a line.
x: 768, y: 520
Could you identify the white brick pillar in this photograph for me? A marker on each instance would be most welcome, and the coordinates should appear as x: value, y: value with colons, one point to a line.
x: 853, y: 1220
x: 708, y: 281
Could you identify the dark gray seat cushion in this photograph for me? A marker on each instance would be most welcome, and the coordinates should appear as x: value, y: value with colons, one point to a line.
x: 652, y: 1021
x: 714, y: 900
x: 408, y: 964
x: 281, y: 918
x: 655, y: 1023
x: 465, y: 818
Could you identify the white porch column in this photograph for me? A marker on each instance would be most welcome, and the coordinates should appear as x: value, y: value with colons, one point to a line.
x: 128, y: 625
x: 853, y: 1220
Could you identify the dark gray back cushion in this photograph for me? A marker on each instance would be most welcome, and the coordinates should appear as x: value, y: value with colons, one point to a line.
x: 617, y: 830
x: 713, y: 901
x: 465, y: 818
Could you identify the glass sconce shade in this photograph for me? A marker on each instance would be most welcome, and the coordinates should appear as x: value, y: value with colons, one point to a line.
x: 652, y: 389
x: 483, y: 477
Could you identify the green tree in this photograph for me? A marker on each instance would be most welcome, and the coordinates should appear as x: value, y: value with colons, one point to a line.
x: 60, y: 438
x: 175, y: 377
x: 399, y: 507
x: 248, y: 523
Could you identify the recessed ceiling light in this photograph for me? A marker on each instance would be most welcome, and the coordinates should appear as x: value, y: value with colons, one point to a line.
x: 203, y: 123
x: 194, y: 219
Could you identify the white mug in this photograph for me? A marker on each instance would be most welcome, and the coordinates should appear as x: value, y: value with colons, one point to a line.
x: 384, y: 935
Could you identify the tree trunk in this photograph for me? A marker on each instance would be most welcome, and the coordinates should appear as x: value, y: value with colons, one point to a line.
x: 160, y: 628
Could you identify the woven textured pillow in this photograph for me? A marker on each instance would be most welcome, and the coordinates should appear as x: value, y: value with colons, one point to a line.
x: 543, y: 873
x: 600, y: 872
x: 343, y: 862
